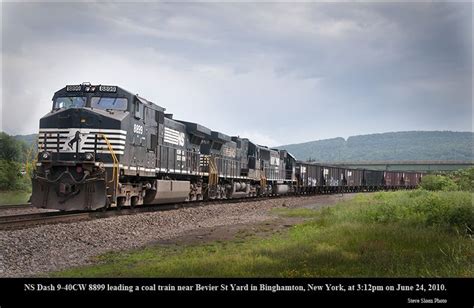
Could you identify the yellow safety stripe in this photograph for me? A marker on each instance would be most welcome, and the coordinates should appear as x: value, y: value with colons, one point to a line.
x: 115, y: 164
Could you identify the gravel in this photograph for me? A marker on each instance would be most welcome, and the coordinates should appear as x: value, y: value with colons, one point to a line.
x: 42, y: 249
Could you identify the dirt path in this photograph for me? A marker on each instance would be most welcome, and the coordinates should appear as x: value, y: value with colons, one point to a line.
x: 273, y: 225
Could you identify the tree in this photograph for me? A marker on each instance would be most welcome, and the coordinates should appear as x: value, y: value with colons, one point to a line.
x: 464, y: 179
x: 10, y: 149
x: 13, y: 158
x: 438, y: 182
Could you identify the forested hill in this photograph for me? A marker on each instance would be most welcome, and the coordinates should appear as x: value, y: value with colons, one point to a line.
x: 412, y: 145
x: 28, y: 139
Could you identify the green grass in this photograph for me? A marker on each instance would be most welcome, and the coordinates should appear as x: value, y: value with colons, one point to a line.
x: 401, y: 234
x: 14, y: 197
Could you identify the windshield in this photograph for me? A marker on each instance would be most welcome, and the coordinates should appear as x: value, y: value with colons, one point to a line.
x: 116, y: 103
x: 70, y: 102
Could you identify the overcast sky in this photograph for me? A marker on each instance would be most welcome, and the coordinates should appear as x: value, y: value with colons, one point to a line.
x: 277, y: 73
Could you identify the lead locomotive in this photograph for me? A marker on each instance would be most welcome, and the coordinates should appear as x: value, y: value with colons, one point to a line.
x: 103, y: 146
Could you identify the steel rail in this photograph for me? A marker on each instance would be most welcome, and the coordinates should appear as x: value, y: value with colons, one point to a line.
x: 29, y: 220
x: 15, y: 206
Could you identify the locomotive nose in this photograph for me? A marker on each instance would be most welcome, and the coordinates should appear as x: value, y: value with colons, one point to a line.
x: 77, y: 130
x: 77, y: 143
x: 77, y: 117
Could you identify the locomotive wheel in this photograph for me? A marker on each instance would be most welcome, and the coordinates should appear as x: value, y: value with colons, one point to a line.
x: 106, y: 206
x: 133, y: 202
x: 120, y: 202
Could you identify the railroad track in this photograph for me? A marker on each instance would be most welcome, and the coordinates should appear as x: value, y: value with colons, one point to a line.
x: 23, y: 221
x: 14, y: 206
x: 28, y: 220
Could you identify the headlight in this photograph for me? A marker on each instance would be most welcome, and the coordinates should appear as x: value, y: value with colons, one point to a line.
x: 45, y: 156
x: 89, y: 156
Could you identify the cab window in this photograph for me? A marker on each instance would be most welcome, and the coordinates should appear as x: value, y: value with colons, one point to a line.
x: 136, y: 109
x: 115, y: 103
x: 70, y: 102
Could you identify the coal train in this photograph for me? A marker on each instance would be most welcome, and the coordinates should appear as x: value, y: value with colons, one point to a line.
x: 102, y: 146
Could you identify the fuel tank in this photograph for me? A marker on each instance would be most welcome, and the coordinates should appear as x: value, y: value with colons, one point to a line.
x: 167, y: 191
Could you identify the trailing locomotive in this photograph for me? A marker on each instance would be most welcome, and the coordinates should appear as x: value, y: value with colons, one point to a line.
x: 103, y: 146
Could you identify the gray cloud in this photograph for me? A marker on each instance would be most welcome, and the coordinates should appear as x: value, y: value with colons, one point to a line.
x: 280, y: 73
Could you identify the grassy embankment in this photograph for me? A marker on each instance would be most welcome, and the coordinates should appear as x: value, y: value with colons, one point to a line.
x: 14, y: 197
x: 407, y: 234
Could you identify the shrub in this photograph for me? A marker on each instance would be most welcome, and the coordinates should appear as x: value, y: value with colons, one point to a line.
x: 11, y: 177
x: 15, y: 159
x: 448, y: 210
x: 464, y: 179
x: 438, y: 182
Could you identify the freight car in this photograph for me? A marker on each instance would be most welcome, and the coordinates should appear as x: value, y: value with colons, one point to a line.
x: 103, y: 146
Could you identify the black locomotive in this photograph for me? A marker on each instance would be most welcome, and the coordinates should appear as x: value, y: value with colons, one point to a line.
x: 103, y: 146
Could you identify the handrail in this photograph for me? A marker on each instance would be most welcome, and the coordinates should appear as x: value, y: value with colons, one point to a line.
x: 213, y: 172
x: 34, y: 160
x: 263, y: 181
x: 115, y: 166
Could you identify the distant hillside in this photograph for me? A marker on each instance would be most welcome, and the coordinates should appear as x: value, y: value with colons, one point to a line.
x: 28, y: 139
x: 412, y: 145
